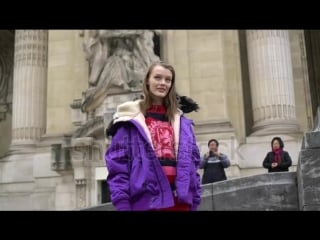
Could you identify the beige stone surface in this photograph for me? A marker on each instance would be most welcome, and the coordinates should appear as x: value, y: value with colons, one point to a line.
x: 65, y: 194
x: 17, y: 170
x: 197, y: 58
x: 67, y: 78
x: 44, y: 200
x: 300, y: 78
x: 234, y: 93
x: 42, y: 166
x: 16, y: 202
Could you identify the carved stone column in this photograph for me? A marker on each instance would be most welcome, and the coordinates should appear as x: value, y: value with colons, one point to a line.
x: 271, y: 81
x: 29, y: 86
x: 81, y: 198
x: 81, y: 159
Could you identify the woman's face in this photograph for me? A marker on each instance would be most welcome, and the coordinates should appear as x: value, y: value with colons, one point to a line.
x: 275, y: 144
x: 159, y: 82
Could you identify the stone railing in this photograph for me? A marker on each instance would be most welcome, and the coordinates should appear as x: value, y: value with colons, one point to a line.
x: 272, y: 191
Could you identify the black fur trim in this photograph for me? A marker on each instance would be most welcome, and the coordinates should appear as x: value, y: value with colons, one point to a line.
x: 187, y: 104
x: 111, y: 129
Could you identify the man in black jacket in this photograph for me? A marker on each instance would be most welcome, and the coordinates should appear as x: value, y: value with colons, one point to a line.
x: 214, y: 163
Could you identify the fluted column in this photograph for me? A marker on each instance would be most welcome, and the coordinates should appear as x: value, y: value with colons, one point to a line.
x: 29, y: 86
x: 271, y: 81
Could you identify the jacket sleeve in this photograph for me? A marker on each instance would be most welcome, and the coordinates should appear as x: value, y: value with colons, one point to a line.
x: 203, y: 162
x: 267, y: 161
x: 117, y: 160
x: 286, y: 161
x: 224, y: 160
x: 196, y: 160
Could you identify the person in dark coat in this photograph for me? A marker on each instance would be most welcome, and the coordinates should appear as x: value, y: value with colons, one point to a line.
x: 214, y: 163
x: 277, y: 160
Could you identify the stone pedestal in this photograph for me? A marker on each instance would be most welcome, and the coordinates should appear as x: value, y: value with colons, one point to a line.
x: 81, y: 159
x: 308, y: 172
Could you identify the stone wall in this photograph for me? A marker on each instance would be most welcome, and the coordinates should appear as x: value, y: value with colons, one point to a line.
x: 276, y: 191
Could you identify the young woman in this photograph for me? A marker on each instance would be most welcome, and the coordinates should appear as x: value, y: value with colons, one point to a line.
x: 153, y: 158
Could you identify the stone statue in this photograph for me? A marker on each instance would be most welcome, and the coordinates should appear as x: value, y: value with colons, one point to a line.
x: 118, y: 61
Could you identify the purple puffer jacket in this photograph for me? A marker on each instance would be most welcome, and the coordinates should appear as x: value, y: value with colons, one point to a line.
x: 135, y: 177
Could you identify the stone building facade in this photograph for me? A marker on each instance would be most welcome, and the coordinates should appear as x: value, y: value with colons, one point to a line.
x: 251, y: 85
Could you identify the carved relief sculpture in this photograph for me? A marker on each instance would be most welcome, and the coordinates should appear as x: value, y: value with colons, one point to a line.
x: 118, y: 60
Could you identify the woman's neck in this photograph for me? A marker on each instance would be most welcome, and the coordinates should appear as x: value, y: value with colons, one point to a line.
x: 157, y: 101
x: 157, y: 104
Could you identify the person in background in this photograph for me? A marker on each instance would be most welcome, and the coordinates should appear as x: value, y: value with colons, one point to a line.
x: 277, y: 160
x: 214, y: 163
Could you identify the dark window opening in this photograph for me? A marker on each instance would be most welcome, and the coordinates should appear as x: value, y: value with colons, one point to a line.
x: 105, y: 193
x: 245, y: 83
x: 312, y: 41
x: 156, y: 46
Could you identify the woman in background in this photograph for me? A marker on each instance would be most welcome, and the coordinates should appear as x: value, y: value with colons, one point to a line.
x: 277, y: 160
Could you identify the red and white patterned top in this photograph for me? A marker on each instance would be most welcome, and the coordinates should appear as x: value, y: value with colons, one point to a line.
x: 162, y: 136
